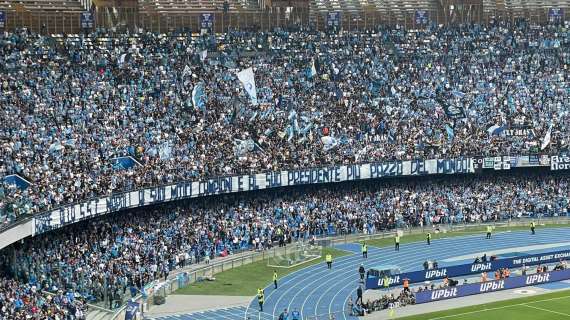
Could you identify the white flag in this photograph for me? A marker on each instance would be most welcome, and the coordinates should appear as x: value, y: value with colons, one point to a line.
x: 247, y: 79
x: 186, y: 71
x: 335, y: 69
x: 203, y: 55
x: 546, y: 140
x: 329, y: 142
x: 313, y: 69
x: 122, y: 59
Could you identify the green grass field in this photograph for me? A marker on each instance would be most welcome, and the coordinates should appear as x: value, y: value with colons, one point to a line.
x: 244, y: 280
x: 408, y: 238
x: 552, y: 306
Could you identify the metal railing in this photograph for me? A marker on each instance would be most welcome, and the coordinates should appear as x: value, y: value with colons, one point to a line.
x: 131, y: 18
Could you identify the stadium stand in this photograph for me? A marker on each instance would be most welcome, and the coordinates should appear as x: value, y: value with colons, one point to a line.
x: 46, y: 16
x: 167, y: 15
x: 22, y: 301
x: 174, y: 6
x: 44, y: 5
x: 113, y: 258
x: 95, y: 113
x: 398, y: 111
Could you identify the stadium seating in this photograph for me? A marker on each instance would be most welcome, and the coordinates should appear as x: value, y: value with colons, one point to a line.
x: 183, y: 6
x: 169, y: 160
x: 397, y: 10
x: 173, y: 104
x: 537, y: 9
x: 43, y: 5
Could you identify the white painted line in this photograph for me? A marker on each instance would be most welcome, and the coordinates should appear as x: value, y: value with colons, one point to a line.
x: 412, y: 263
x: 393, y: 256
x: 452, y: 239
x: 508, y: 250
x: 497, y: 308
x: 306, y: 274
x: 546, y: 310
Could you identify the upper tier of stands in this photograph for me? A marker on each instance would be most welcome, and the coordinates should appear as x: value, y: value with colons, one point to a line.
x: 523, y: 5
x: 384, y: 6
x: 394, y: 8
x: 182, y: 6
x: 43, y: 5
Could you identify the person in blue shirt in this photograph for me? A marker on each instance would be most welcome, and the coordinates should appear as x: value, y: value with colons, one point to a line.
x: 18, y: 303
x: 295, y: 315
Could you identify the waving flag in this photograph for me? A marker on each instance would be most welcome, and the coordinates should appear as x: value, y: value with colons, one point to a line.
x: 450, y: 133
x: 338, y: 93
x: 203, y: 55
x: 242, y: 147
x: 452, y: 111
x: 186, y: 71
x: 496, y: 130
x: 56, y: 146
x: 329, y: 142
x: 313, y: 70
x: 165, y: 151
x: 546, y: 140
x: 247, y: 79
x: 458, y: 94
x: 199, y: 97
x: 122, y: 58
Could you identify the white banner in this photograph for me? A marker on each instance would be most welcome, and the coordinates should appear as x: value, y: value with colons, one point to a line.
x: 73, y: 213
x: 560, y: 163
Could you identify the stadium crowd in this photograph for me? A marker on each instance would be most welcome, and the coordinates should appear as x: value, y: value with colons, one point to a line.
x: 27, y: 301
x: 385, y: 301
x: 111, y: 258
x: 72, y: 104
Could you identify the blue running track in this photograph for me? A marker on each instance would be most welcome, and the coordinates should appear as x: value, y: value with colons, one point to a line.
x: 316, y: 291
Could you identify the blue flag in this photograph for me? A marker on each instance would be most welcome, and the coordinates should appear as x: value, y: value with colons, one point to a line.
x: 312, y: 71
x: 496, y: 130
x: 338, y: 93
x: 18, y: 181
x: 450, y: 133
x: 458, y: 94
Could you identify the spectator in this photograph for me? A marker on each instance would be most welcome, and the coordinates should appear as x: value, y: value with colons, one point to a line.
x: 382, y: 95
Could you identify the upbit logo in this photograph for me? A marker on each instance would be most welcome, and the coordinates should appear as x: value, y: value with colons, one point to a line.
x: 492, y: 286
x: 436, y: 273
x: 537, y: 278
x: 443, y: 294
x: 481, y: 267
x: 393, y: 280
